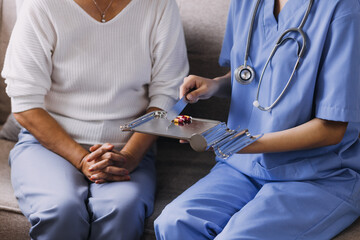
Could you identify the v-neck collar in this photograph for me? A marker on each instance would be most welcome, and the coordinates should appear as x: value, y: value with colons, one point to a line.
x: 122, y: 12
x: 289, y: 10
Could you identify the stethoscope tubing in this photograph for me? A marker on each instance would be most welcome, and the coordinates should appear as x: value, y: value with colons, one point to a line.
x: 249, y: 37
x: 279, y: 42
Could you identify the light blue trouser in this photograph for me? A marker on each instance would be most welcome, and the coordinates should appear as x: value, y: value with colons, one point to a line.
x: 61, y: 203
x: 228, y: 205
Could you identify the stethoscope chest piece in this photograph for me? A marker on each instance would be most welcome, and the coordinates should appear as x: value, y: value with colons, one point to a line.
x: 244, y: 74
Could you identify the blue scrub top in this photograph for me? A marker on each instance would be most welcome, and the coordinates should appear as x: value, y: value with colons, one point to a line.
x: 326, y: 85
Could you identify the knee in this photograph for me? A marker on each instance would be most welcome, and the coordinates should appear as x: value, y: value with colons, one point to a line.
x: 59, y: 219
x: 125, y: 217
x: 120, y: 210
x: 185, y: 220
x: 61, y: 211
x: 165, y: 219
x: 70, y: 208
x: 171, y: 223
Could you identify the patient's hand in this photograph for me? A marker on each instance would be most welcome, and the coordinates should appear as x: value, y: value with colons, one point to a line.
x: 109, y: 165
x: 85, y: 165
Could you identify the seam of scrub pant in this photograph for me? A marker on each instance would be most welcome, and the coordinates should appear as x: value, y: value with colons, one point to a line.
x: 352, y: 202
x: 353, y: 216
x: 323, y: 230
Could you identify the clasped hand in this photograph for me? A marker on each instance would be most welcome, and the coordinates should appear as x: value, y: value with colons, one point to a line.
x: 105, y: 164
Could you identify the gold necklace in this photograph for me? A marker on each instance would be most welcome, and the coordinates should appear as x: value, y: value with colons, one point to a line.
x: 102, y: 12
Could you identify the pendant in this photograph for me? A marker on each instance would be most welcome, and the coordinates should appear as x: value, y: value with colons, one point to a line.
x: 103, y: 20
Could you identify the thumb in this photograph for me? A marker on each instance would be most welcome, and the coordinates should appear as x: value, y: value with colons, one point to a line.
x: 196, y: 94
x: 192, y: 97
x: 109, y: 146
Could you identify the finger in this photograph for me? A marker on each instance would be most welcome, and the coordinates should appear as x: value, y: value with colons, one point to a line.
x: 108, y: 146
x: 96, y: 154
x: 116, y: 157
x: 188, y: 84
x: 195, y: 88
x: 116, y: 171
x: 98, y: 176
x: 197, y: 94
x: 183, y: 141
x: 114, y: 178
x: 99, y: 152
x: 109, y: 177
x: 107, y: 165
x: 95, y: 147
x: 101, y: 181
x: 101, y: 165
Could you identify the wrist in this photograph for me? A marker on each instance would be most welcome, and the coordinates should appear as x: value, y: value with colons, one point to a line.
x: 129, y: 155
x: 80, y: 159
x: 223, y: 85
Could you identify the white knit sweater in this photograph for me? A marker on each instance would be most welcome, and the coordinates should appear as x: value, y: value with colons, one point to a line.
x: 91, y: 76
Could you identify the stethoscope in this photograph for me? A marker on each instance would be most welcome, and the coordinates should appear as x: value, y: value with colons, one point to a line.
x: 246, y: 74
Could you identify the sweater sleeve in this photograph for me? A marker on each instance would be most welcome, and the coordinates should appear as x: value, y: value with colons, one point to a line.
x: 169, y: 57
x: 28, y: 66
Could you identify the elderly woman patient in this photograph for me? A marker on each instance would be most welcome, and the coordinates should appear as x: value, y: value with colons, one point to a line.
x: 75, y: 71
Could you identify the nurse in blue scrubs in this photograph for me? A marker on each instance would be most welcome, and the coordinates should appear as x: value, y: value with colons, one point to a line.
x: 301, y: 179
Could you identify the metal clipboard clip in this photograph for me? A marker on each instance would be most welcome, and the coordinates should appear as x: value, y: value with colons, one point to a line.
x: 224, y: 141
x: 202, y: 134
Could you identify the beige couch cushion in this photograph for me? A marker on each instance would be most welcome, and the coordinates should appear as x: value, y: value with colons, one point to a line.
x: 6, y: 192
x: 7, y: 20
x: 13, y: 225
x: 204, y: 26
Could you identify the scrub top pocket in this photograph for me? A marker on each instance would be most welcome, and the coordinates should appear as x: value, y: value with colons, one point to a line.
x: 317, y: 167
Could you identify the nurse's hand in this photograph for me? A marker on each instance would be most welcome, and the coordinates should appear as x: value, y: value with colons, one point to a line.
x: 110, y: 165
x: 195, y: 88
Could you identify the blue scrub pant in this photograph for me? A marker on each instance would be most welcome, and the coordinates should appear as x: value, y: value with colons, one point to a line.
x: 227, y: 204
x: 61, y: 203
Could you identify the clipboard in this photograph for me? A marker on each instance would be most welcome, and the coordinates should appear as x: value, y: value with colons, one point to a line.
x: 202, y: 134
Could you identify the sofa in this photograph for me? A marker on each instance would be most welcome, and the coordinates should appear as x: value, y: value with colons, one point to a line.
x: 178, y: 166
